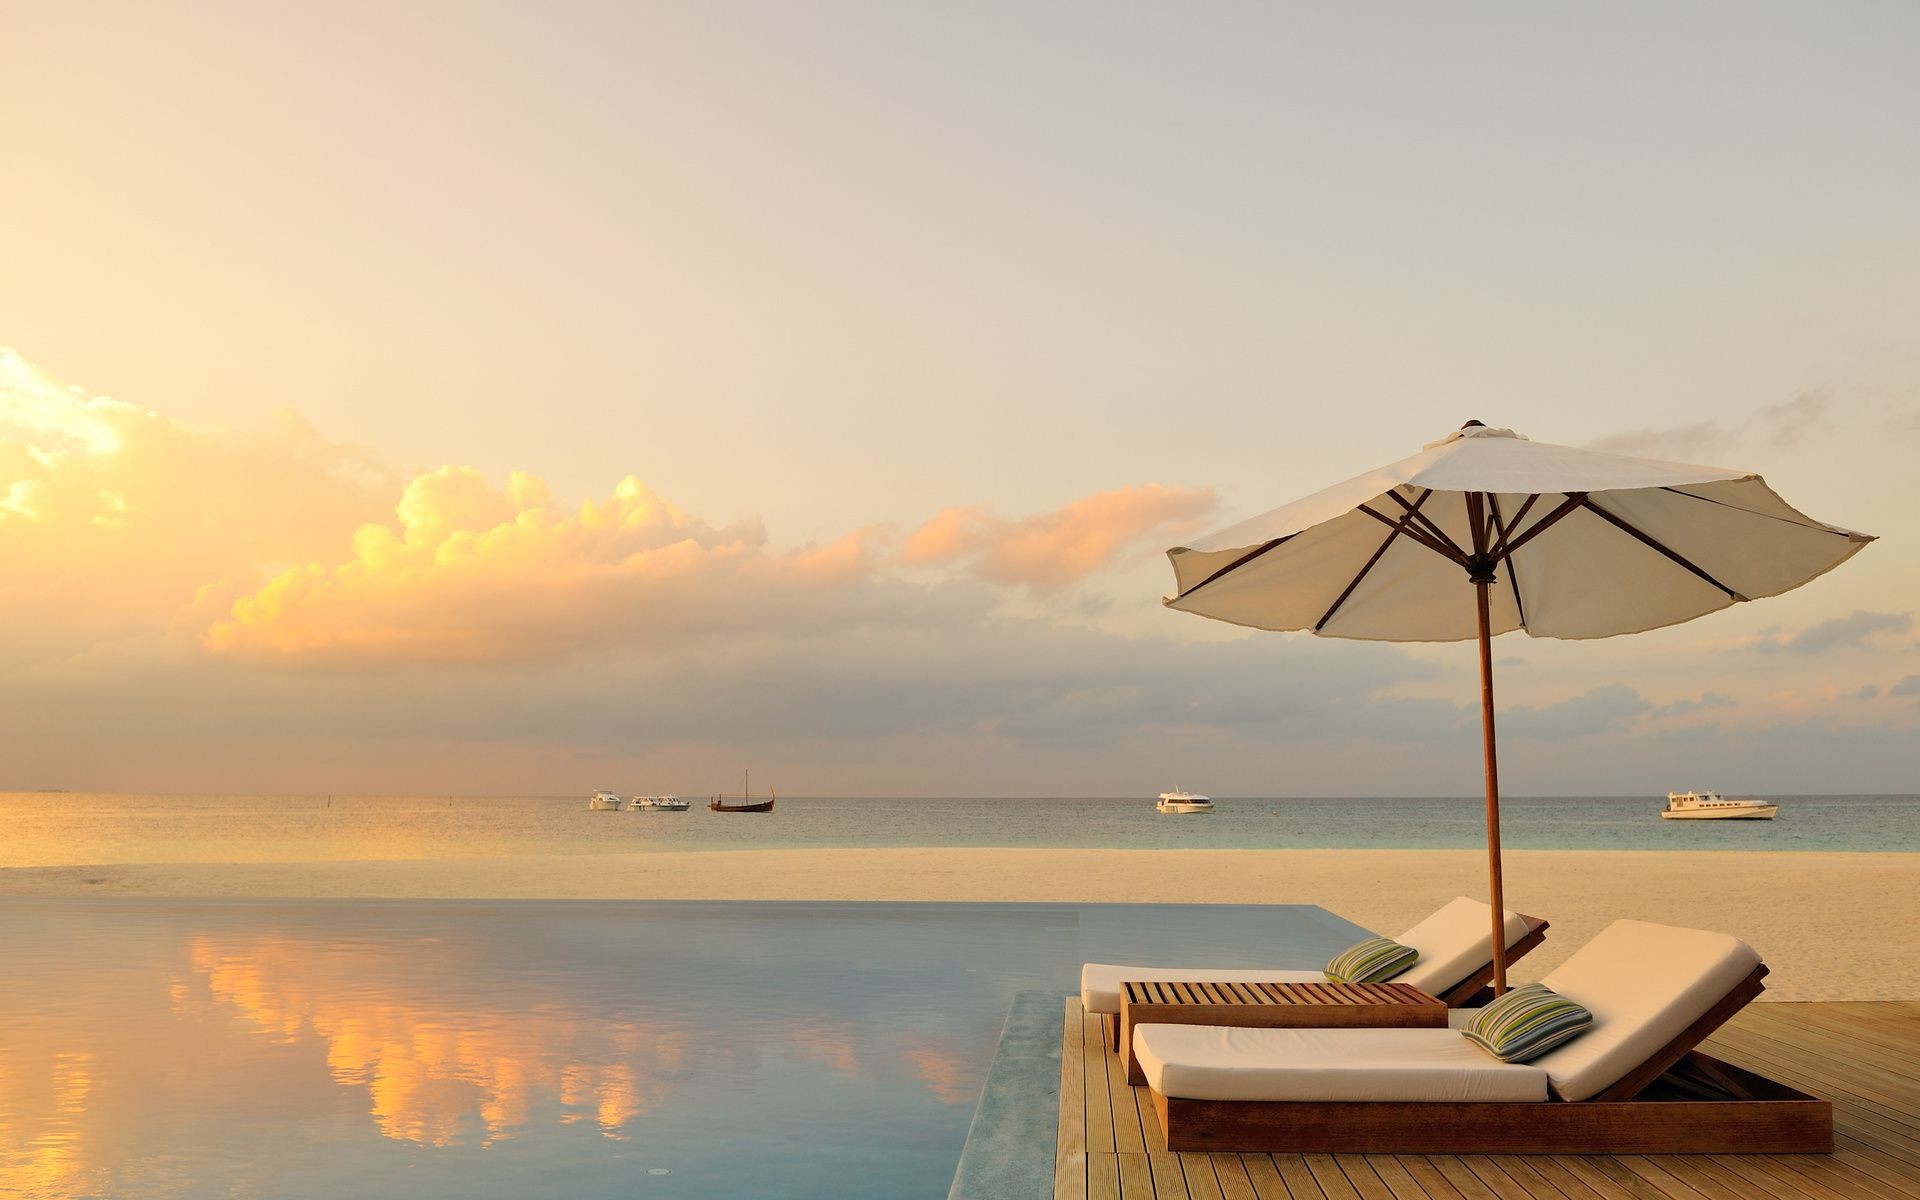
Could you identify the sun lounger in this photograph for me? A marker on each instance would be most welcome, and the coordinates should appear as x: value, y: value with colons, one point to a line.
x: 1632, y: 1083
x: 1455, y: 963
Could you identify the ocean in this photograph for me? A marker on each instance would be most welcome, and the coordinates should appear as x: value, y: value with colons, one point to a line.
x: 66, y: 828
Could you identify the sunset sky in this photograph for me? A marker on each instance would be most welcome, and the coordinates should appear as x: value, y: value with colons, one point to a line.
x: 499, y: 398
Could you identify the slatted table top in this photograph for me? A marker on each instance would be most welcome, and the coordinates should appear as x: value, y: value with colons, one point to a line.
x: 1285, y: 995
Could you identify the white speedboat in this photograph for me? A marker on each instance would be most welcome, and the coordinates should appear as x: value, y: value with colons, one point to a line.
x: 1712, y: 806
x: 1183, y: 802
x: 659, y: 804
x: 603, y: 801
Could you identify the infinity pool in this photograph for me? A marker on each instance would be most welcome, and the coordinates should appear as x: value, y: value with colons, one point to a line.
x: 439, y: 1049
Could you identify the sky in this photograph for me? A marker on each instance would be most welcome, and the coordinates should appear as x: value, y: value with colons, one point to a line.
x: 526, y: 399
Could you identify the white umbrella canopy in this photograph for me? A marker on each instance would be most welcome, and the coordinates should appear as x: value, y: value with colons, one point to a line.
x: 1557, y: 541
x: 1591, y: 545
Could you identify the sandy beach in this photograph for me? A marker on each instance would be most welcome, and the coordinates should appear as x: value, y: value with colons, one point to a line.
x: 1833, y: 926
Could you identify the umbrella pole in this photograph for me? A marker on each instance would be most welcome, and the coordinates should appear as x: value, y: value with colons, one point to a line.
x: 1480, y: 587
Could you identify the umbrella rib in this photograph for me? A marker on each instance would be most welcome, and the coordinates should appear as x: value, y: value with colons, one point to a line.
x: 1815, y: 527
x: 1506, y: 531
x: 1656, y: 546
x: 1499, y: 548
x: 1235, y: 565
x: 1415, y: 534
x: 1574, y: 500
x: 1397, y: 531
x: 1438, y: 534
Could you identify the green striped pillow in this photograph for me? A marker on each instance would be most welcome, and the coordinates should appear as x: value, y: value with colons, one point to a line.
x: 1526, y: 1023
x: 1372, y: 961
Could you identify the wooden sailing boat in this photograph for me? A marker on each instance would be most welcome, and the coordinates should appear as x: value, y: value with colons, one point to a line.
x: 748, y: 803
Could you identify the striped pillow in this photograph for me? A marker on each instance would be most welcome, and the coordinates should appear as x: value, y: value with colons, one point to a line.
x: 1526, y: 1023
x: 1372, y: 961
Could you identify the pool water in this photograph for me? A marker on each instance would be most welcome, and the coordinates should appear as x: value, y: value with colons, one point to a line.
x: 587, y: 1049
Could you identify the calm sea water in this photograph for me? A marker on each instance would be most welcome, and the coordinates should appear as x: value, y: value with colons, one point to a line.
x: 174, y: 1050
x: 49, y: 829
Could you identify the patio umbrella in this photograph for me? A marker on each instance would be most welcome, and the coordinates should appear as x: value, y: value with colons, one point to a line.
x: 1557, y: 541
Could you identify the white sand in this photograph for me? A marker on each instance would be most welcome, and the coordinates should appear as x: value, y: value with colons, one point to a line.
x: 1831, y: 926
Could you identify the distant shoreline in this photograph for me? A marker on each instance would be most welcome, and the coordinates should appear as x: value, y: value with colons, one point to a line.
x: 577, y: 797
x: 1832, y: 924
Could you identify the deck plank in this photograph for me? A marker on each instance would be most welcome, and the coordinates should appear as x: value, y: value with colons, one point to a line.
x: 1333, y: 1181
x: 1508, y: 1183
x: 1601, y: 1169
x: 1098, y: 1109
x: 1127, y: 1135
x: 1136, y: 1178
x: 1169, y: 1178
x: 1231, y: 1173
x: 1438, y: 1185
x: 1202, y: 1182
x: 1362, y: 1178
x: 1827, y: 1179
x: 1103, y: 1175
x: 1400, y: 1184
x: 1462, y: 1177
x: 1267, y: 1183
x: 1299, y: 1177
x: 1070, y: 1141
x: 1660, y: 1177
x: 1569, y: 1184
x: 1762, y: 1181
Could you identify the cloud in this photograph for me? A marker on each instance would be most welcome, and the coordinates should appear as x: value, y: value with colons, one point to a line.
x: 1777, y: 426
x: 1054, y: 550
x: 51, y: 421
x: 1909, y: 686
x: 1865, y: 691
x: 1707, y: 700
x: 1834, y: 633
x: 279, y: 545
x: 115, y: 520
x: 477, y: 574
x: 1607, y: 708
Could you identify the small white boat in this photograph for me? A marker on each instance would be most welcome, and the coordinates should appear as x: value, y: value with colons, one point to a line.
x: 603, y: 801
x: 659, y: 804
x: 1183, y: 802
x: 1712, y: 806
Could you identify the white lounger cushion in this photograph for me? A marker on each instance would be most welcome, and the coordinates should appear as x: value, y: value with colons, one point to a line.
x: 1644, y: 983
x: 1453, y: 944
x: 1203, y: 1062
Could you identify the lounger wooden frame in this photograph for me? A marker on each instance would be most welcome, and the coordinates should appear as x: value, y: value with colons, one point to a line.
x: 1679, y: 1101
x: 1461, y: 995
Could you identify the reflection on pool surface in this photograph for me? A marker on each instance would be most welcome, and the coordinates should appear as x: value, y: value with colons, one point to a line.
x: 425, y: 1049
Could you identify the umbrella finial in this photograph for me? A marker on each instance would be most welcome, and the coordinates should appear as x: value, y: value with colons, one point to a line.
x: 1474, y: 425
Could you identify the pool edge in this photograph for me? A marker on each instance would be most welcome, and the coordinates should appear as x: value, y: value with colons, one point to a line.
x: 1009, y: 1149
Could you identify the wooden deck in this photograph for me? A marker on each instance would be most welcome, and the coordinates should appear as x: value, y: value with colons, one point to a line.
x: 1865, y: 1057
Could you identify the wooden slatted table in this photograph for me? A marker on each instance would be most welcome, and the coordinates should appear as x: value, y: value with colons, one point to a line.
x: 1273, y: 1006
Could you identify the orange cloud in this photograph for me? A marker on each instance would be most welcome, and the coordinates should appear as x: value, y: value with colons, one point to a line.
x: 476, y: 574
x: 113, y: 518
x: 118, y: 524
x: 1053, y: 550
